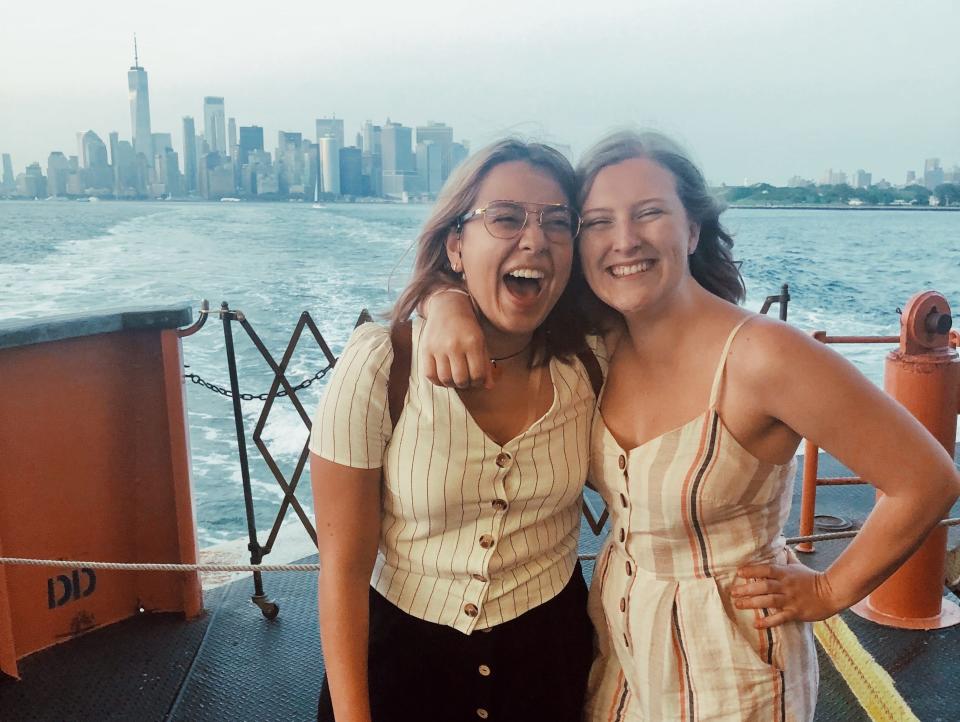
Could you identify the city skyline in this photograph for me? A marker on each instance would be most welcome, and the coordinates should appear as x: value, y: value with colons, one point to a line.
x: 762, y: 93
x: 330, y: 137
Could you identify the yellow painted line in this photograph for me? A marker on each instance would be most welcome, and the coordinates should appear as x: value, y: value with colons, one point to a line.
x: 870, y: 683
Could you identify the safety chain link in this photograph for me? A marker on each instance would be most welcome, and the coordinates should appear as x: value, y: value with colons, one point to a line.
x: 250, y: 397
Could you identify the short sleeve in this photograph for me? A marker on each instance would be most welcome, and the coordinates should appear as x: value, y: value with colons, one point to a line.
x: 352, y: 425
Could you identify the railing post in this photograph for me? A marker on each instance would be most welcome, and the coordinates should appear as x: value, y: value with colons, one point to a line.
x: 924, y: 376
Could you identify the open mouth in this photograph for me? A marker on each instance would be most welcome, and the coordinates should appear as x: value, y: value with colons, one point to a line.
x: 631, y: 269
x: 524, y: 283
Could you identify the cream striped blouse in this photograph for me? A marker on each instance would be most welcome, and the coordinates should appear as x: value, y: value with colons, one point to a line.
x: 473, y: 534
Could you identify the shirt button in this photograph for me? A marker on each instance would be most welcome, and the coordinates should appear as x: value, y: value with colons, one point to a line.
x: 503, y: 459
x: 629, y: 569
x: 623, y: 535
x: 471, y: 610
x: 479, y: 577
x: 482, y: 713
x: 484, y: 670
x: 499, y: 504
x: 486, y: 541
x: 623, y: 604
x: 623, y: 501
x: 622, y: 461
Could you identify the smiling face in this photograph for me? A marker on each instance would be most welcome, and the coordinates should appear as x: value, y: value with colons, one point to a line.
x: 515, y: 283
x: 636, y: 237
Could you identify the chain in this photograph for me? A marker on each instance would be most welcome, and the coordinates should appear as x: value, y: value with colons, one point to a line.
x: 250, y: 397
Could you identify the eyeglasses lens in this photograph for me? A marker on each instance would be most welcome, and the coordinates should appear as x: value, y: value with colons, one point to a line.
x: 506, y: 220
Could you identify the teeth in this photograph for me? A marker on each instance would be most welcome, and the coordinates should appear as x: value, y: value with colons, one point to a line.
x: 634, y: 268
x: 526, y: 273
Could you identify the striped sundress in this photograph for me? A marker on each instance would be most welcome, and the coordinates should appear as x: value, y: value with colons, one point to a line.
x: 687, y: 509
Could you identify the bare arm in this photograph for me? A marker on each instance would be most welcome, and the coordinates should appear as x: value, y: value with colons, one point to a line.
x: 824, y: 398
x: 347, y: 503
x: 453, y: 351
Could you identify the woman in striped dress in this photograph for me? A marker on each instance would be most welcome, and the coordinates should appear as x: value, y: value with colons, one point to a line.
x: 448, y: 535
x: 700, y: 614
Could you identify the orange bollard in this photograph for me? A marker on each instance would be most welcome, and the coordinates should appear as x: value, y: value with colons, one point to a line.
x: 924, y: 376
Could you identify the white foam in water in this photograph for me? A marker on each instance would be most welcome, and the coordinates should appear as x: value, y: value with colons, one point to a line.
x: 848, y: 272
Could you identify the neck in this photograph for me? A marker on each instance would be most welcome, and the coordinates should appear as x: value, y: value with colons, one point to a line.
x: 506, y: 346
x: 658, y: 330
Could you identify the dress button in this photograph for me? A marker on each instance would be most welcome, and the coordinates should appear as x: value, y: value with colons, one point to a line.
x: 623, y: 604
x: 499, y: 504
x: 622, y: 461
x: 623, y: 501
x: 471, y: 610
x: 484, y: 670
x: 629, y: 569
x: 486, y: 541
x: 623, y: 535
x: 479, y: 577
x: 503, y: 459
x: 482, y: 713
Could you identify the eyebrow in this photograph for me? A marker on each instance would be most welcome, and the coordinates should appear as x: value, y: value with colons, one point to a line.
x: 643, y: 202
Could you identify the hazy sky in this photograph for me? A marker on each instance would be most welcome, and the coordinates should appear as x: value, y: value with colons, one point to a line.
x: 756, y: 90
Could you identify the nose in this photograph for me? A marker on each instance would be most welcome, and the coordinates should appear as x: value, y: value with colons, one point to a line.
x: 532, y: 237
x: 625, y: 237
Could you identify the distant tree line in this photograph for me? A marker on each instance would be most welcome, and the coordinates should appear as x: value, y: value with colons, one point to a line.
x: 764, y: 193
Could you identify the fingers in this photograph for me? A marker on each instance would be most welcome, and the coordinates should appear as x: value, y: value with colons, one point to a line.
x: 444, y: 374
x: 761, y: 571
x: 429, y: 365
x: 755, y: 588
x: 479, y: 369
x: 761, y: 601
x: 460, y: 372
x: 773, y: 620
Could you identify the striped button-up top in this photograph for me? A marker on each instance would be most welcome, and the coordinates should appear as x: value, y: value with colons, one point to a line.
x: 472, y: 534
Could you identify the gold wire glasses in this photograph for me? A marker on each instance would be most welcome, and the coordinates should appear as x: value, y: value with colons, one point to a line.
x: 507, y: 219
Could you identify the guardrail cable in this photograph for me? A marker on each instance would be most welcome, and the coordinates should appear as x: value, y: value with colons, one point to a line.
x: 134, y: 567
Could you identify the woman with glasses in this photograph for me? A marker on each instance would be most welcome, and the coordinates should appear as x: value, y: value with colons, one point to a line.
x: 448, y: 539
x: 700, y: 612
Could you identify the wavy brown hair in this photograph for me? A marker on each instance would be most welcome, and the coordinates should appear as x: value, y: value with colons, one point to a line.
x: 562, y: 332
x: 712, y: 263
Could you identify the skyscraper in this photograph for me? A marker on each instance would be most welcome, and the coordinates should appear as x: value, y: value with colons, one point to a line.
x: 932, y: 173
x: 329, y: 165
x: 442, y: 135
x: 430, y: 166
x: 215, y: 124
x: 399, y: 163
x: 396, y: 143
x: 330, y: 128
x: 139, y: 106
x: 251, y: 139
x: 9, y: 182
x: 189, y: 155
x: 351, y: 177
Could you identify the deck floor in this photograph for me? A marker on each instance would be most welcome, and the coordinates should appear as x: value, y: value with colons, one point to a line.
x: 232, y: 664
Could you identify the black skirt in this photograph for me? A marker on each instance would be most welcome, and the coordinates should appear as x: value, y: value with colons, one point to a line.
x: 529, y: 669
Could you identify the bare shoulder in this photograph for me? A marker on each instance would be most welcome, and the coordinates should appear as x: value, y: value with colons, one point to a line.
x: 765, y: 341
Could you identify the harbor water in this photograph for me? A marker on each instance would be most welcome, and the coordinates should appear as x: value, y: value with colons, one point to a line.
x: 848, y: 272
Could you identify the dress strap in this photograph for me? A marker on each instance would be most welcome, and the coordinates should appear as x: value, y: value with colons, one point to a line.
x: 715, y: 391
